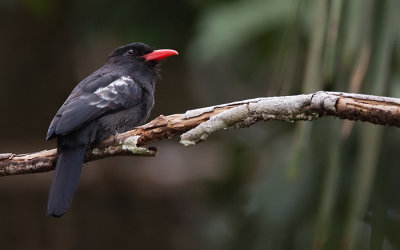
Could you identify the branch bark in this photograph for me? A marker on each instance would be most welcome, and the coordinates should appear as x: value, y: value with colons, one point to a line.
x: 196, y: 125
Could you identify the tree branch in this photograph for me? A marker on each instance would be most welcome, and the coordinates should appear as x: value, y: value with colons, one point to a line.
x: 196, y: 125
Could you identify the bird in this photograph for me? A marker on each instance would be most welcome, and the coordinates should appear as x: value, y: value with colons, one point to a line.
x: 113, y: 99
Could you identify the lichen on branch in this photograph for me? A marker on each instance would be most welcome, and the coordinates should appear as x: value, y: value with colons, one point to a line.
x: 197, y: 125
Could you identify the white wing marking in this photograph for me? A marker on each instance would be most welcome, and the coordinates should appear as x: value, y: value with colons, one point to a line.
x: 109, y: 92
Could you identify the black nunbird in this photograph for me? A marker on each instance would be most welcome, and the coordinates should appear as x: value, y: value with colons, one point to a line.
x: 113, y: 99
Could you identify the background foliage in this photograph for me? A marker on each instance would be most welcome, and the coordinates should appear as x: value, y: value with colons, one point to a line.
x: 326, y: 185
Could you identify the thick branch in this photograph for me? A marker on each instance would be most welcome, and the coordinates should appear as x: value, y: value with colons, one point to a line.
x: 196, y: 125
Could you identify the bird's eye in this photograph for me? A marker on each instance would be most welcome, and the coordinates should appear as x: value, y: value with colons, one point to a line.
x: 131, y: 52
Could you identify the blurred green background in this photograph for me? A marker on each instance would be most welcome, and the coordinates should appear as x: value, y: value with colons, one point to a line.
x: 329, y: 184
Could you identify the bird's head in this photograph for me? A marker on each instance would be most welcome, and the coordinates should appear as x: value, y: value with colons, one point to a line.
x: 140, y: 52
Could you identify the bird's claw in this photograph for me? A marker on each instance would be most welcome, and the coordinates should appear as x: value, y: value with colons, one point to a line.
x: 115, y: 140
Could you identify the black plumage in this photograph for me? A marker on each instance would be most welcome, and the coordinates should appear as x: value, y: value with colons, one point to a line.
x: 113, y: 99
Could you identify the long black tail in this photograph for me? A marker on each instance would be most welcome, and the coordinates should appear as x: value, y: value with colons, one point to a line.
x: 65, y: 180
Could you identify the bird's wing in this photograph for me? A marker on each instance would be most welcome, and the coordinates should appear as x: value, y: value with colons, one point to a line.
x: 82, y: 107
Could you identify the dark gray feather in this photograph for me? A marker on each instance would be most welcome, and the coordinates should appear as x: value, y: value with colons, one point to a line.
x: 122, y: 93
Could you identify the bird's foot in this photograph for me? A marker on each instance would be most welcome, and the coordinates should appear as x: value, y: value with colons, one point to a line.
x: 115, y: 137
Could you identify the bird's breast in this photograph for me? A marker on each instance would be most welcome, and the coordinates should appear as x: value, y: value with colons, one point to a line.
x: 125, y: 119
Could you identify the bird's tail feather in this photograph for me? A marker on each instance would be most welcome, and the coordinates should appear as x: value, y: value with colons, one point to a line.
x: 65, y: 180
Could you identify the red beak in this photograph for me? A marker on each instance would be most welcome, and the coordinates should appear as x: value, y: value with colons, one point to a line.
x: 159, y: 54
